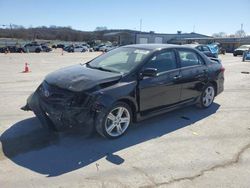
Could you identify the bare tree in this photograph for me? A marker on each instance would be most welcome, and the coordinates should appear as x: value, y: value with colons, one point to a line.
x: 101, y: 28
x: 220, y: 34
x: 240, y: 33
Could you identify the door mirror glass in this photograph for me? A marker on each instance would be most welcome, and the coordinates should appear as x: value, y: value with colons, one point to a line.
x: 149, y: 72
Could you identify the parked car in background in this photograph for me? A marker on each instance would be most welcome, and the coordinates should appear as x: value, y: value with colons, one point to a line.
x: 88, y: 47
x: 204, y: 49
x: 33, y: 47
x: 97, y: 48
x: 126, y: 85
x: 214, y: 49
x: 2, y: 49
x: 80, y: 48
x: 69, y: 48
x: 246, y: 55
x: 46, y: 48
x: 240, y: 50
x: 11, y: 49
x: 106, y: 48
x: 76, y: 48
x: 60, y: 46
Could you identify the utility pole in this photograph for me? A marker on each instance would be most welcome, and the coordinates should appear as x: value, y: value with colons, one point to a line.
x: 11, y: 30
x: 241, y: 30
x: 140, y: 25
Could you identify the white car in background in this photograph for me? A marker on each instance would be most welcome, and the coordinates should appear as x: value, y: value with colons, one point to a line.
x: 106, y: 48
x: 79, y: 48
x: 76, y: 48
x: 33, y: 47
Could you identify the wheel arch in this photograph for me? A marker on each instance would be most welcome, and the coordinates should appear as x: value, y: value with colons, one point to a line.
x: 214, y: 83
x: 132, y: 105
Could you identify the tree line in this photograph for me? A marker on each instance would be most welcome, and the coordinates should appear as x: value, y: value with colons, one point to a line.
x: 56, y: 33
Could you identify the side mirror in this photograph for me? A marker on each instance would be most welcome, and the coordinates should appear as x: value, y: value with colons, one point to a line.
x: 149, y: 72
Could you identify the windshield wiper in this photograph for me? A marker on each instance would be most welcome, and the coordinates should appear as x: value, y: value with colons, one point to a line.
x: 101, y: 68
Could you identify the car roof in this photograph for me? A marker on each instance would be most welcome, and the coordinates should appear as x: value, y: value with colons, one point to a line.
x: 153, y: 46
x: 194, y: 45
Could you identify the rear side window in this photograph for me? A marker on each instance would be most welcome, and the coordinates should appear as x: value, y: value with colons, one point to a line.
x: 199, y: 48
x: 205, y: 49
x: 188, y: 58
x: 163, y: 61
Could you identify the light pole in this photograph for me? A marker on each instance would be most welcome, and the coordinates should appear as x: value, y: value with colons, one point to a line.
x: 140, y: 25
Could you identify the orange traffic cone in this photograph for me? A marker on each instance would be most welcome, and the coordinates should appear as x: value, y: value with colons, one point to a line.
x: 26, y: 68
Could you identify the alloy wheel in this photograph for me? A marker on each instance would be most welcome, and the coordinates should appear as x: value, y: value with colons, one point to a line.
x: 208, y: 96
x: 117, y: 121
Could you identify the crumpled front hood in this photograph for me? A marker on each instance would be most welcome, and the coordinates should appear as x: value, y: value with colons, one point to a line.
x: 79, y: 78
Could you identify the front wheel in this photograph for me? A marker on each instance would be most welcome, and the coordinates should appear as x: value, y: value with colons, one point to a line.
x: 115, y: 121
x: 207, y: 96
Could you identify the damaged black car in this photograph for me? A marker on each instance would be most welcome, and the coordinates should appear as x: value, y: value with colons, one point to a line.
x: 126, y: 85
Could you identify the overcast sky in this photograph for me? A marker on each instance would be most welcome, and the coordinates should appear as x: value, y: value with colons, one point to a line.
x: 164, y: 16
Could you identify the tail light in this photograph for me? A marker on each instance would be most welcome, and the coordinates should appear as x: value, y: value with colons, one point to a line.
x: 222, y: 69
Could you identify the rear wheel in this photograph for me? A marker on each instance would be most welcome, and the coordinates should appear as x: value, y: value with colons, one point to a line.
x: 115, y: 121
x: 207, y: 96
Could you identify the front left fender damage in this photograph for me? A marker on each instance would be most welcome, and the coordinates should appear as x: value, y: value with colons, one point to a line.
x: 62, y: 114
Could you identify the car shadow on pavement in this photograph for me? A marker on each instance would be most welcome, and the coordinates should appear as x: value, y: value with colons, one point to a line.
x: 27, y: 144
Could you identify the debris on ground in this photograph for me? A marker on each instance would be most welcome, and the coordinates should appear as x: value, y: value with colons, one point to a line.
x: 245, y: 72
x: 97, y: 166
x: 195, y: 133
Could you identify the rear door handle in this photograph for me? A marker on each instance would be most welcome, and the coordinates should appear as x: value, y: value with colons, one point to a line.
x: 177, y: 77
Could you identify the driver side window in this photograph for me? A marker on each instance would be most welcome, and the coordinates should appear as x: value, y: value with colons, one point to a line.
x: 163, y: 61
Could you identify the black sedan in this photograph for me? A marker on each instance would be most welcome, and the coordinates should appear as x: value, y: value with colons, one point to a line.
x: 126, y: 85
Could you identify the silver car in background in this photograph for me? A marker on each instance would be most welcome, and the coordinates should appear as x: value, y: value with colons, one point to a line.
x: 33, y: 47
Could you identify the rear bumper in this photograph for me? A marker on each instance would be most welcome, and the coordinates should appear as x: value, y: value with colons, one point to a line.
x: 238, y: 52
x: 63, y: 118
x: 220, y: 85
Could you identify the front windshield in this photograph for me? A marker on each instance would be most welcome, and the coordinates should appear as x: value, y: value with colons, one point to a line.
x: 121, y: 60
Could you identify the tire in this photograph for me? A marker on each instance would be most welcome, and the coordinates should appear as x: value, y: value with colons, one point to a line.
x: 235, y: 55
x: 207, y: 96
x: 38, y: 50
x: 109, y: 124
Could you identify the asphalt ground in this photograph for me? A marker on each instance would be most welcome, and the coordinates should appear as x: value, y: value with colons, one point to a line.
x: 184, y: 148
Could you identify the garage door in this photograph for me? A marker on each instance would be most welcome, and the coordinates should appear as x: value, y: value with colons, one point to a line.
x: 143, y: 41
x: 158, y: 40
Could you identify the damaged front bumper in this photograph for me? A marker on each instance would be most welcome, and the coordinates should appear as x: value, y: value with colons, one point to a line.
x: 61, y: 113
